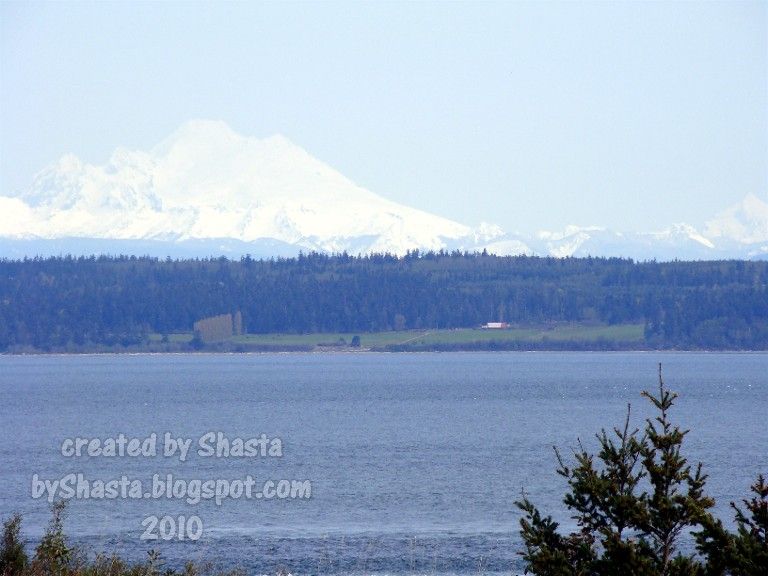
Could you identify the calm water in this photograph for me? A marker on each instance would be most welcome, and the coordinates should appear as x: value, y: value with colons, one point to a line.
x: 415, y: 460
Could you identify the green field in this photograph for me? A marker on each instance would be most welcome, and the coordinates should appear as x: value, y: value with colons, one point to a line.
x: 564, y: 333
x: 175, y: 338
x: 367, y: 339
x: 424, y: 338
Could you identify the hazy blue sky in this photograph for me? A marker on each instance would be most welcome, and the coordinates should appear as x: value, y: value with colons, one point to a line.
x: 531, y: 115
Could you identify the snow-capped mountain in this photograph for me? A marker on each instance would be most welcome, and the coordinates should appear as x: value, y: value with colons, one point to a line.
x: 206, y: 190
x: 745, y: 223
x: 207, y: 182
x: 681, y: 241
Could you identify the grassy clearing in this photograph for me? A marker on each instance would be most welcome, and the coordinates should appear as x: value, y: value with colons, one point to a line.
x: 181, y: 338
x: 625, y: 332
x: 562, y: 334
x: 566, y: 333
x: 367, y: 339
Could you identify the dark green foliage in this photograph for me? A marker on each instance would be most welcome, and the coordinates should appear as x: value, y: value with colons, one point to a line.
x: 751, y: 541
x: 197, y: 342
x: 13, y: 559
x: 53, y: 556
x: 746, y: 551
x: 355, y: 342
x: 677, y: 500
x: 76, y: 303
x: 633, y: 503
x: 547, y: 552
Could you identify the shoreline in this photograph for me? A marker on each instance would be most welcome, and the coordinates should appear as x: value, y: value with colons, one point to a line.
x: 383, y: 351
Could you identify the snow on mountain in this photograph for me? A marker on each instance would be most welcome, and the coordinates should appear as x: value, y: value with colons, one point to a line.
x: 487, y: 232
x: 746, y: 222
x: 16, y: 217
x: 206, y: 190
x: 509, y: 247
x: 205, y: 181
x: 678, y: 241
x: 569, y: 242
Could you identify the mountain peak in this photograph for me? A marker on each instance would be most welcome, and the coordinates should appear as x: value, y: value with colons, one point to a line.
x: 279, y: 140
x: 69, y: 162
x: 212, y: 133
x: 745, y: 222
x: 196, y: 133
x: 200, y: 128
x: 205, y: 181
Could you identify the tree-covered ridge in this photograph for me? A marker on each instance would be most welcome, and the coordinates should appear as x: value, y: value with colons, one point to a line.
x: 52, y: 303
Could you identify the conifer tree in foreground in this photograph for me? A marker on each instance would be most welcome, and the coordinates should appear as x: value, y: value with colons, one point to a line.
x: 13, y: 558
x: 633, y: 501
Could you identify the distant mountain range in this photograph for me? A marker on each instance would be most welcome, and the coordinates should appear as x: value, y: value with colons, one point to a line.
x: 207, y: 191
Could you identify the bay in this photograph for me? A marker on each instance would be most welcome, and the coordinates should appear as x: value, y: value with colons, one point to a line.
x: 415, y: 460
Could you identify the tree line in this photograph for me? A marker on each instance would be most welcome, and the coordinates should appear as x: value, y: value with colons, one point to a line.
x: 66, y: 302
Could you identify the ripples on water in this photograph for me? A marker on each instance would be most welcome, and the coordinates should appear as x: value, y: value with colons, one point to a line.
x: 415, y: 459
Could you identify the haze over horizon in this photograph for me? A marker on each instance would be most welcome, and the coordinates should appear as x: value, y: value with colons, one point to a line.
x: 529, y: 115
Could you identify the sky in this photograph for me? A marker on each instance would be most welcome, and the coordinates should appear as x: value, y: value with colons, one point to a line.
x: 631, y: 115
